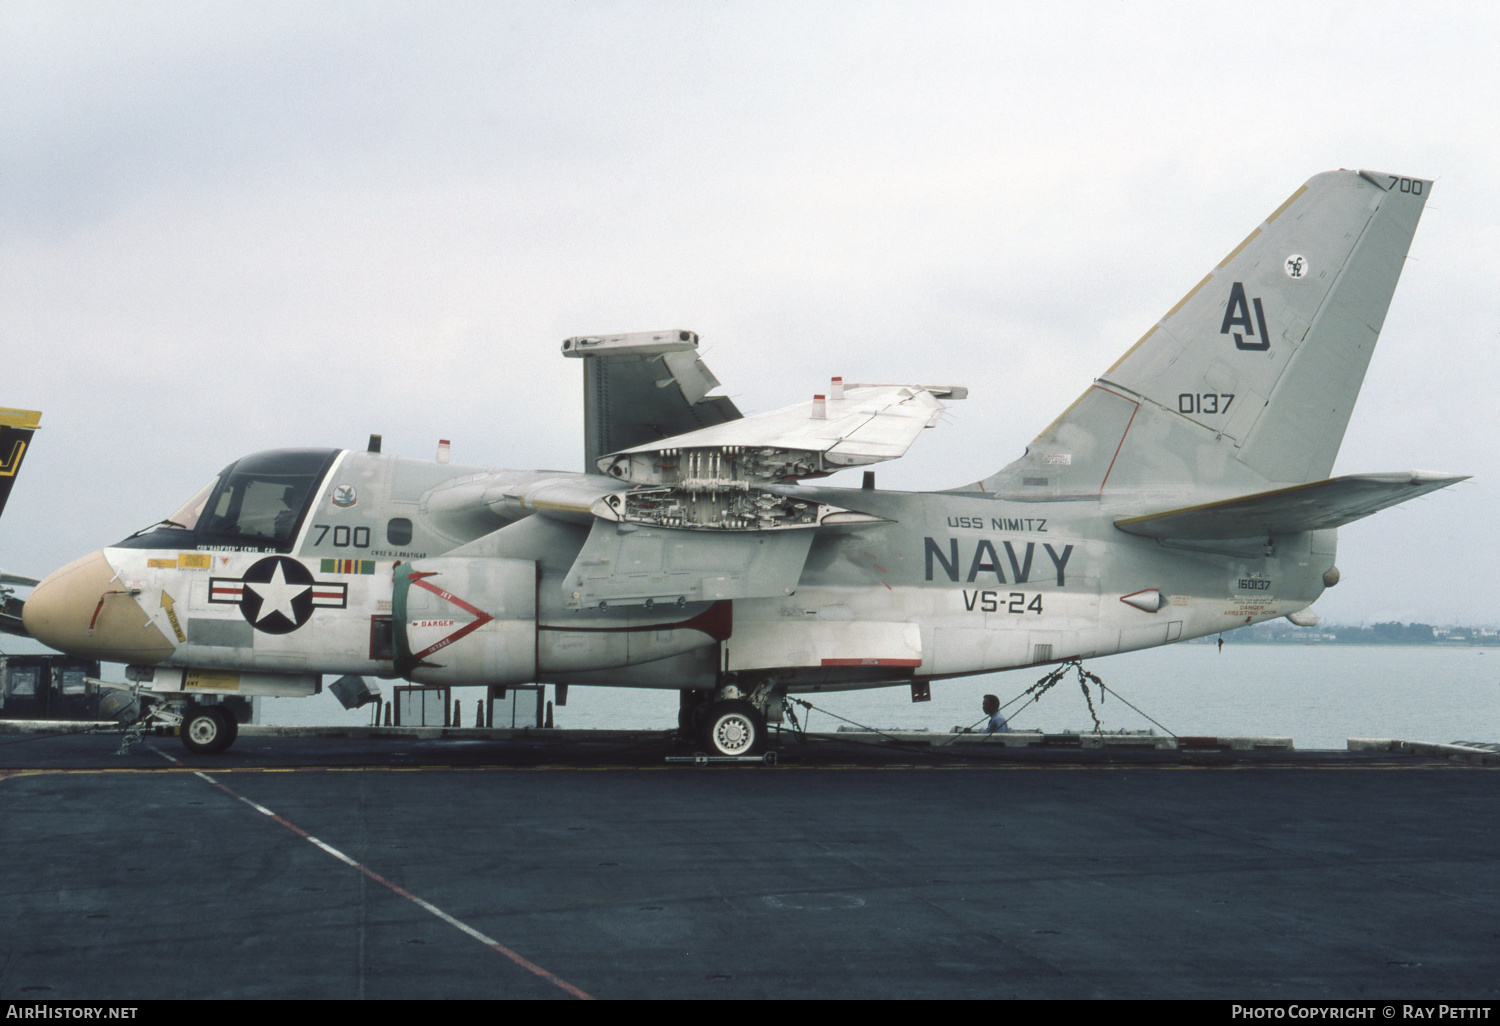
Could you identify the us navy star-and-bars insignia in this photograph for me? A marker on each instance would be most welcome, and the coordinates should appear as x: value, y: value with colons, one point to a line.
x: 277, y: 594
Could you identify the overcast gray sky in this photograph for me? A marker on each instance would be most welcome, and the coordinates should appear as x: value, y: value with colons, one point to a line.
x: 237, y: 226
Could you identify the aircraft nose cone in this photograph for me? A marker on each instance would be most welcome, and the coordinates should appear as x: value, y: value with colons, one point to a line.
x: 84, y: 611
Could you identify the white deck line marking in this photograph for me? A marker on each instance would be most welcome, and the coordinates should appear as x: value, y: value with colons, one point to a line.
x: 490, y: 942
x: 330, y: 849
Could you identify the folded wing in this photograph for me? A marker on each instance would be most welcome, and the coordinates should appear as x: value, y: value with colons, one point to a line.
x: 855, y: 426
x: 644, y: 386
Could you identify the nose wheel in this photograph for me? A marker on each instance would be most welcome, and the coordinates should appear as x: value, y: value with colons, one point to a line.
x: 208, y: 730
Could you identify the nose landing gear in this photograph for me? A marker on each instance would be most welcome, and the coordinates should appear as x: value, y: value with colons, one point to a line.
x: 208, y: 729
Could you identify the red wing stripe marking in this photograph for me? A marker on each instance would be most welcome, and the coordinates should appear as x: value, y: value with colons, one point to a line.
x: 490, y: 942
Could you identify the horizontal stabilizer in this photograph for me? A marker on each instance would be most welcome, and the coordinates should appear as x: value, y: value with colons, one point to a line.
x: 1317, y: 506
x: 18, y: 580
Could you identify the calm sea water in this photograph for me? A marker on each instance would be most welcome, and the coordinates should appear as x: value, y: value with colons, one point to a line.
x: 1318, y: 696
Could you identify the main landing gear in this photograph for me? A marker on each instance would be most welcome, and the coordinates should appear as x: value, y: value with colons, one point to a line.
x: 728, y: 722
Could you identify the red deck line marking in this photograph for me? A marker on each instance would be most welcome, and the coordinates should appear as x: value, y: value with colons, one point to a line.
x: 490, y: 942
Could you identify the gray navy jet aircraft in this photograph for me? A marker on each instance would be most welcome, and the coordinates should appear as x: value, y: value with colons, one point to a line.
x: 1186, y: 492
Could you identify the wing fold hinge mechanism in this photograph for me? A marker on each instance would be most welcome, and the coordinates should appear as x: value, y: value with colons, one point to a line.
x: 726, y: 477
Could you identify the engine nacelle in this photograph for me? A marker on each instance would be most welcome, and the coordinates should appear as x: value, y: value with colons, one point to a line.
x: 465, y: 621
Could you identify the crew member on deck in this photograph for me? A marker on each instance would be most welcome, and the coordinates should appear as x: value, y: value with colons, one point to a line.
x: 997, y: 724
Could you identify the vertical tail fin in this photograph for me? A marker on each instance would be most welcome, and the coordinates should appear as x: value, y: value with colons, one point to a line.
x: 16, y: 429
x: 1250, y: 379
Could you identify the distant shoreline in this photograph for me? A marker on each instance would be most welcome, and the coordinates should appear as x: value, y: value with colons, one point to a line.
x: 1380, y: 635
x: 1214, y: 638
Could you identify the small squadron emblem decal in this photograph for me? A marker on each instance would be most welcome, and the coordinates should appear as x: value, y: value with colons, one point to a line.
x: 345, y: 496
x: 277, y: 594
x: 1296, y: 267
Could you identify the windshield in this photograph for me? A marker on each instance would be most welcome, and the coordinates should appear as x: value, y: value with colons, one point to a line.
x: 256, y: 504
x: 187, y: 516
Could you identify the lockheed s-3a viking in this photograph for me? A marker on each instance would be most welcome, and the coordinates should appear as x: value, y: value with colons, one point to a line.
x: 1186, y: 492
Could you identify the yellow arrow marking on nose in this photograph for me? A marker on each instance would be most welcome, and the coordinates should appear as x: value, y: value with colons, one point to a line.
x: 166, y: 603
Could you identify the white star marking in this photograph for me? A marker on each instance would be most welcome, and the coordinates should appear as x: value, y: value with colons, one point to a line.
x: 276, y: 596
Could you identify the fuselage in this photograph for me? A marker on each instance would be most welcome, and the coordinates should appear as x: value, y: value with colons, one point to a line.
x: 281, y: 574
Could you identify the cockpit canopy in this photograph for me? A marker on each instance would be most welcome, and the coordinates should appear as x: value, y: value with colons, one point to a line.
x: 256, y: 504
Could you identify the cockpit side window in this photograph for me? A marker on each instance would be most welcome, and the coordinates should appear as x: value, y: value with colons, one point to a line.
x: 266, y: 507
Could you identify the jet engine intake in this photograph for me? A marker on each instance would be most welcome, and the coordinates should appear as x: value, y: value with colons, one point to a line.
x: 465, y: 621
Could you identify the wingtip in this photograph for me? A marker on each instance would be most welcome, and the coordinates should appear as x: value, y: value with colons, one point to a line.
x: 1434, y: 477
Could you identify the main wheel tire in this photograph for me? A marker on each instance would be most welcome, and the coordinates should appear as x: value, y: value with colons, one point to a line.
x: 733, y: 728
x: 207, y: 731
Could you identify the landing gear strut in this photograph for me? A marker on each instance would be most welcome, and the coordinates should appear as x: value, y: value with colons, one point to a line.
x: 691, y: 707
